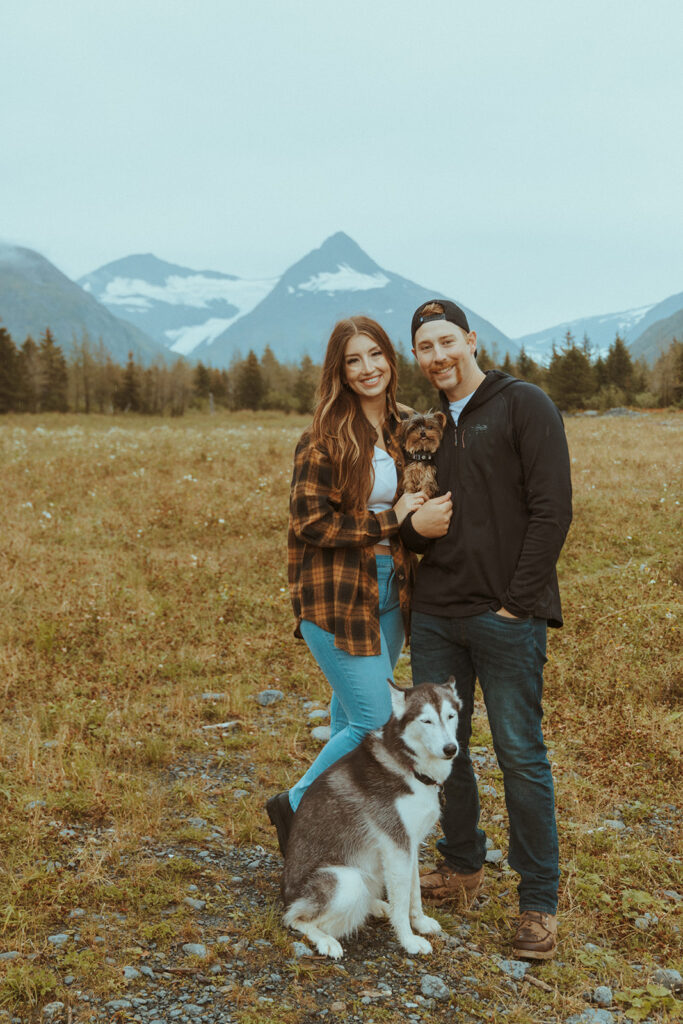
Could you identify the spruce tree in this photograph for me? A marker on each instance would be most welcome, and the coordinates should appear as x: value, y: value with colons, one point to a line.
x: 249, y: 385
x: 619, y: 367
x: 305, y: 385
x: 29, y: 376
x: 571, y: 381
x: 201, y: 381
x: 9, y: 373
x: 128, y: 394
x: 54, y: 377
x: 526, y: 368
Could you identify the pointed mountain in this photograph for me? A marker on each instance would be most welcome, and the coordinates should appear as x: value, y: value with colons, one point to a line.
x: 600, y: 331
x: 630, y: 324
x: 34, y: 295
x: 178, y: 307
x: 657, y: 337
x: 337, y: 280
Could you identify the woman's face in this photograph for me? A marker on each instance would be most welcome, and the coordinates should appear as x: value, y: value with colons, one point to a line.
x: 365, y: 368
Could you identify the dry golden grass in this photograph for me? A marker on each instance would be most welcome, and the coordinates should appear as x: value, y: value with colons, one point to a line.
x: 143, y: 564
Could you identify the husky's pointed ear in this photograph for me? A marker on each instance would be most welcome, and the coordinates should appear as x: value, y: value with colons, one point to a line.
x: 452, y: 686
x: 398, y: 699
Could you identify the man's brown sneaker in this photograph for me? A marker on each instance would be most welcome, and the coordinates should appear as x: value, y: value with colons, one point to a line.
x: 536, y: 936
x: 445, y: 885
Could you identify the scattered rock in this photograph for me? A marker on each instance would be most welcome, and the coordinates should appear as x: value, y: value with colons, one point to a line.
x: 118, y: 1004
x: 195, y: 949
x: 301, y: 949
x: 11, y: 954
x: 614, y: 823
x: 591, y: 1016
x: 31, y: 806
x: 321, y: 733
x: 131, y: 973
x: 668, y: 978
x: 60, y: 939
x: 602, y: 995
x: 514, y: 968
x: 488, y: 790
x: 51, y: 1009
x: 239, y: 794
x: 195, y: 904
x: 434, y: 987
x: 646, y: 921
x: 266, y: 697
x: 494, y: 856
x: 318, y: 715
x: 214, y: 696
x: 226, y: 726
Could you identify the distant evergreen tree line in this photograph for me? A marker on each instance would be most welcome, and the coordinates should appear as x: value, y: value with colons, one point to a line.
x: 37, y: 377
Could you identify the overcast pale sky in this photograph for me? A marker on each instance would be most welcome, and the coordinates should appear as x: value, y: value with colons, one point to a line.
x: 523, y: 157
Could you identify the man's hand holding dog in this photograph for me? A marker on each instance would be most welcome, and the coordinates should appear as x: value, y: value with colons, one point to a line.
x: 432, y: 518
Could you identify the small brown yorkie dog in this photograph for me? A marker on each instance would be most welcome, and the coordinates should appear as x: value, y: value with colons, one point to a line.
x: 421, y: 435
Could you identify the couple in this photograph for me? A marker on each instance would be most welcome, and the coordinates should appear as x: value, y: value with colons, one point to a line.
x: 478, y: 603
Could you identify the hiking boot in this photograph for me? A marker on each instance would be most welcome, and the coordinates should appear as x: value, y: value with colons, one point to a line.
x: 281, y: 815
x: 536, y: 936
x: 444, y: 885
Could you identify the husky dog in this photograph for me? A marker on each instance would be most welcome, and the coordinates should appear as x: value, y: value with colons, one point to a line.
x: 421, y: 435
x: 356, y: 833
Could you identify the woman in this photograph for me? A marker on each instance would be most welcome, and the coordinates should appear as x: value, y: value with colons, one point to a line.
x: 349, y: 574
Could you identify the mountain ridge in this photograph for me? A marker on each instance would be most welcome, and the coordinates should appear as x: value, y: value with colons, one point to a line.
x: 35, y: 295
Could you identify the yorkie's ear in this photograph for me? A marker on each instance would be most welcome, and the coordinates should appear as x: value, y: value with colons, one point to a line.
x: 441, y: 417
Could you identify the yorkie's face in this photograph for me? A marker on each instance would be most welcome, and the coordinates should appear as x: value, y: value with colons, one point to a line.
x: 422, y: 432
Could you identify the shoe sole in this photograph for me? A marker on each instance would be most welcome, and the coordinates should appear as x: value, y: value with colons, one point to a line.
x: 531, y: 954
x: 460, y: 899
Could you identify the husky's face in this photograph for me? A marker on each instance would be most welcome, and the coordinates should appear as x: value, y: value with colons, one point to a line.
x: 429, y: 718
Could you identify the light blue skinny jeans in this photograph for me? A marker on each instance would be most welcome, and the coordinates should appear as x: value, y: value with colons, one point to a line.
x: 361, y: 700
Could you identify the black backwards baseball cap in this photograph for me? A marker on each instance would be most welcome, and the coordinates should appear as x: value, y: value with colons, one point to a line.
x: 451, y: 312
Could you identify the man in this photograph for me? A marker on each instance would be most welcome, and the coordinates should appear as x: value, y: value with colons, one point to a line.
x: 485, y: 591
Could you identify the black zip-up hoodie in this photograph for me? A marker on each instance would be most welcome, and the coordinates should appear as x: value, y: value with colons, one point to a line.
x: 507, y: 465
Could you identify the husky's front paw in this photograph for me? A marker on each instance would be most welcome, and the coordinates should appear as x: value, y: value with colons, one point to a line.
x: 415, y: 944
x: 425, y: 925
x: 328, y: 946
x: 379, y: 908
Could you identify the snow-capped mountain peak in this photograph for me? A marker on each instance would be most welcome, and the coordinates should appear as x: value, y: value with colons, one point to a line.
x: 343, y: 279
x: 181, y: 308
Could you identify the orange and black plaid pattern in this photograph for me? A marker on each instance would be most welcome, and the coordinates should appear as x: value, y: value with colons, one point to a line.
x: 331, y: 563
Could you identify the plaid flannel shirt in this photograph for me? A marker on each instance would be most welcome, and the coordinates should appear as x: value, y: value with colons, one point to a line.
x: 331, y: 563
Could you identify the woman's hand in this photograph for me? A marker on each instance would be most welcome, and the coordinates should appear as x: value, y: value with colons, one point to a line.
x: 408, y: 503
x: 432, y: 518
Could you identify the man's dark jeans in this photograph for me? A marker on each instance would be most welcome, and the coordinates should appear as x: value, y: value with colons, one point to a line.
x: 507, y: 656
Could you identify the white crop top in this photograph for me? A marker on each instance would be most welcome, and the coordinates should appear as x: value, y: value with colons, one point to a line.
x: 385, y: 483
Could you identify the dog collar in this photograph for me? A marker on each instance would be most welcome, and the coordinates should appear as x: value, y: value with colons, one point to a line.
x: 426, y: 780
x: 420, y: 456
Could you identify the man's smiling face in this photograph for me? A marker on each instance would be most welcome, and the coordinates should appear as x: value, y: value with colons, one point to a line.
x: 445, y: 354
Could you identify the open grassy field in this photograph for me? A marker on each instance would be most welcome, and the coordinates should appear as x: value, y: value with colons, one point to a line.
x: 143, y: 571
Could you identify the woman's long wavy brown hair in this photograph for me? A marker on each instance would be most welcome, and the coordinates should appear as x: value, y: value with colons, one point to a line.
x: 339, y: 424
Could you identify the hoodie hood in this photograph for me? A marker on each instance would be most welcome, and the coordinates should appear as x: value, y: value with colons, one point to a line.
x: 494, y: 382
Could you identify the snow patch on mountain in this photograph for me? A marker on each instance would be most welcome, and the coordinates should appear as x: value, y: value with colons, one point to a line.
x: 344, y: 279
x: 185, y: 339
x: 196, y: 291
x: 600, y: 331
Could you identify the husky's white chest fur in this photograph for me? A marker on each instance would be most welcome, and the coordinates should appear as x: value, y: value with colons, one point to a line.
x: 357, y: 832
